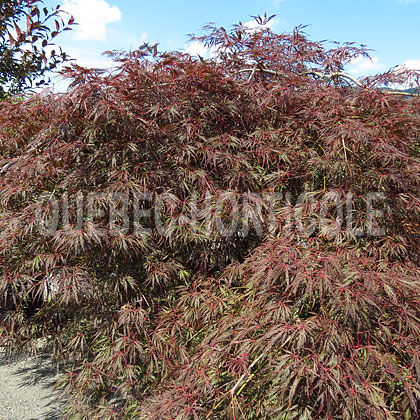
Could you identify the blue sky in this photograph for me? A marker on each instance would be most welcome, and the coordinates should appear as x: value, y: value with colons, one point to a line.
x: 390, y: 27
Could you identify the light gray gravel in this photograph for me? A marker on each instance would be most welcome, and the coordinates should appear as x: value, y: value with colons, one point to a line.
x: 26, y: 390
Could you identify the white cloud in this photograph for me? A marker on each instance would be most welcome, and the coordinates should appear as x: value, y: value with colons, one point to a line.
x: 252, y: 25
x: 277, y: 2
x: 412, y: 64
x: 407, y: 1
x: 89, y: 59
x: 197, y: 48
x: 144, y: 37
x: 84, y: 58
x: 92, y: 17
x: 362, y: 65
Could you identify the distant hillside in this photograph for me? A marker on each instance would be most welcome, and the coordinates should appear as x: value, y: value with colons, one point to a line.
x: 413, y: 90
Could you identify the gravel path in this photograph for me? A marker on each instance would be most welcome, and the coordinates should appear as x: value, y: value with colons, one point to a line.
x: 26, y: 390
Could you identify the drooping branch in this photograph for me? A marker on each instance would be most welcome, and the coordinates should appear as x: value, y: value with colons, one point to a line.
x: 5, y: 167
x: 327, y: 77
x: 254, y: 69
x: 332, y: 76
x: 401, y: 93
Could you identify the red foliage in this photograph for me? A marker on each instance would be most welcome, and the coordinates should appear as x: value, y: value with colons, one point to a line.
x: 195, y: 323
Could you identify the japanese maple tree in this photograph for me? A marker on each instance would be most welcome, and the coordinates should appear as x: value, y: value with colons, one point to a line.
x: 170, y: 317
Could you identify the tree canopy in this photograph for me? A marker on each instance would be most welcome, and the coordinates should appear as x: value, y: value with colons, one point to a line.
x: 27, y: 51
x: 296, y: 312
